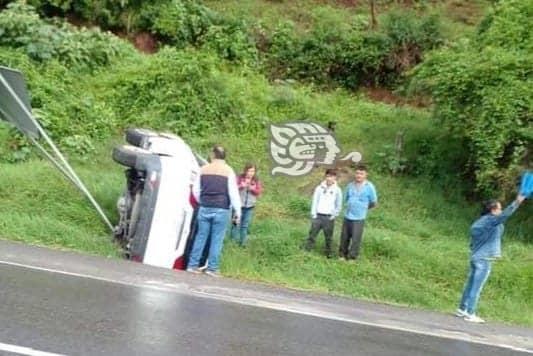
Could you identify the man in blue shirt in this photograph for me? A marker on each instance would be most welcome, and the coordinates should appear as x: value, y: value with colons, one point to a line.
x: 359, y: 198
x: 485, y: 245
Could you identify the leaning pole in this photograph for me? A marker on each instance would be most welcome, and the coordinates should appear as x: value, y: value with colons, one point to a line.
x: 15, y: 108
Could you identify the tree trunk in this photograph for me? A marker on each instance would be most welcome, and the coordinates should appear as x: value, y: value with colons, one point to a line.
x: 373, y: 21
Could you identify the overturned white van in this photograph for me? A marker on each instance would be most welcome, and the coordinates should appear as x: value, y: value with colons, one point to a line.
x: 155, y: 209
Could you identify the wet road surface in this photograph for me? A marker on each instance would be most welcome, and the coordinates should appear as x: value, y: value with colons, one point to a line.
x: 72, y: 315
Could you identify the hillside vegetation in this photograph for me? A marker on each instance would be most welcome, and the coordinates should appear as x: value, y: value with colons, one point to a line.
x: 221, y: 73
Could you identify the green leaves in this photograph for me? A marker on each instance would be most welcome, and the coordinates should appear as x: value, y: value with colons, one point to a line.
x: 183, y: 23
x: 483, y: 91
x: 352, y: 55
x: 82, y: 48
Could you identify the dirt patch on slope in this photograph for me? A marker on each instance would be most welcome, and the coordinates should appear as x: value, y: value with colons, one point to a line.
x: 384, y: 95
x: 145, y: 42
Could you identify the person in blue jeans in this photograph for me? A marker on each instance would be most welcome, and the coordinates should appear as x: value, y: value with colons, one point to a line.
x: 216, y: 190
x: 250, y: 188
x: 485, y: 246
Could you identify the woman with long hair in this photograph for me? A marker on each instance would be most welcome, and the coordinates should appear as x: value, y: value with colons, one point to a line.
x: 250, y: 188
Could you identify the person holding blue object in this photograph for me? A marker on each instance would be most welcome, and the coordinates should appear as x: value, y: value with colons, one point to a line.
x: 359, y: 198
x: 485, y: 246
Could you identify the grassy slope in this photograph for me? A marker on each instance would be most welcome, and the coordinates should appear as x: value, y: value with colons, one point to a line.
x: 458, y: 17
x: 415, y: 246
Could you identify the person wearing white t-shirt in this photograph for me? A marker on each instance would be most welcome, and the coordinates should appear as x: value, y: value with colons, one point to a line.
x: 326, y: 206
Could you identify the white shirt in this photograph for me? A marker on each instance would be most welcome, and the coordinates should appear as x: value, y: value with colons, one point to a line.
x: 327, y: 200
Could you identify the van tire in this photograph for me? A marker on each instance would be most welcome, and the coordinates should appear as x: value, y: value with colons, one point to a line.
x: 127, y: 155
x: 137, y: 137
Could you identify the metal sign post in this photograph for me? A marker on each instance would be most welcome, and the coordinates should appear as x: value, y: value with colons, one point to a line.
x: 15, y: 108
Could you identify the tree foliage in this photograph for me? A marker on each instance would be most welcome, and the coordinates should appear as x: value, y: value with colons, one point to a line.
x: 21, y: 27
x: 353, y: 55
x: 483, y: 92
x: 183, y: 23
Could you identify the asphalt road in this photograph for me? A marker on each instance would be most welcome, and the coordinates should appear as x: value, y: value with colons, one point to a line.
x: 44, y: 312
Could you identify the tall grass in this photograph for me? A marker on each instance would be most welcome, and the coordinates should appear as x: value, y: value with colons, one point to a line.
x: 40, y: 207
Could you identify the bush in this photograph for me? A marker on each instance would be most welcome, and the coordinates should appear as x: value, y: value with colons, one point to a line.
x: 410, y: 35
x: 361, y: 60
x: 62, y: 104
x: 482, y: 92
x: 177, y: 91
x: 352, y: 56
x: 21, y: 27
x: 107, y: 14
x: 183, y: 23
x: 232, y: 42
x: 507, y: 26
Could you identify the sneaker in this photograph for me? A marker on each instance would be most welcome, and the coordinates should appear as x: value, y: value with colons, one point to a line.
x: 213, y: 274
x: 202, y: 268
x: 461, y: 313
x: 194, y: 270
x: 473, y: 318
x: 342, y: 259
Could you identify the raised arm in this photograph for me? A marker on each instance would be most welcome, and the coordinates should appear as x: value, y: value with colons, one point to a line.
x: 256, y: 188
x: 241, y: 183
x: 508, y: 211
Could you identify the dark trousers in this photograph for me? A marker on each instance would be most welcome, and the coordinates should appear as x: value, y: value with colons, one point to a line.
x: 352, y: 231
x: 324, y: 223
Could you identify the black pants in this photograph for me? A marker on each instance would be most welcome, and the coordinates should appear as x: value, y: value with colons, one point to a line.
x: 352, y: 231
x: 326, y: 224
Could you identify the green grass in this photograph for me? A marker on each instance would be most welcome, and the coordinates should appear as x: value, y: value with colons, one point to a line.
x: 40, y: 207
x: 415, y: 248
x: 269, y: 13
x: 415, y: 258
x: 458, y: 17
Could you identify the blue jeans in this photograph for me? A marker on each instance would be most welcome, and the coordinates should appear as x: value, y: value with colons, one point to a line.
x: 478, y: 275
x: 212, y: 223
x: 243, y: 227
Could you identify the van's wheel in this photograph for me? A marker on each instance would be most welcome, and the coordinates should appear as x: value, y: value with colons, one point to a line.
x: 137, y: 137
x: 127, y: 155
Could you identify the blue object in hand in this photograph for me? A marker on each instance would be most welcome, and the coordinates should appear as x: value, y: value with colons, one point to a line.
x: 526, y: 186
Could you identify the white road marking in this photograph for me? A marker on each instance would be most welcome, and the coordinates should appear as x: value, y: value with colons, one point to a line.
x: 302, y: 310
x: 25, y: 350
